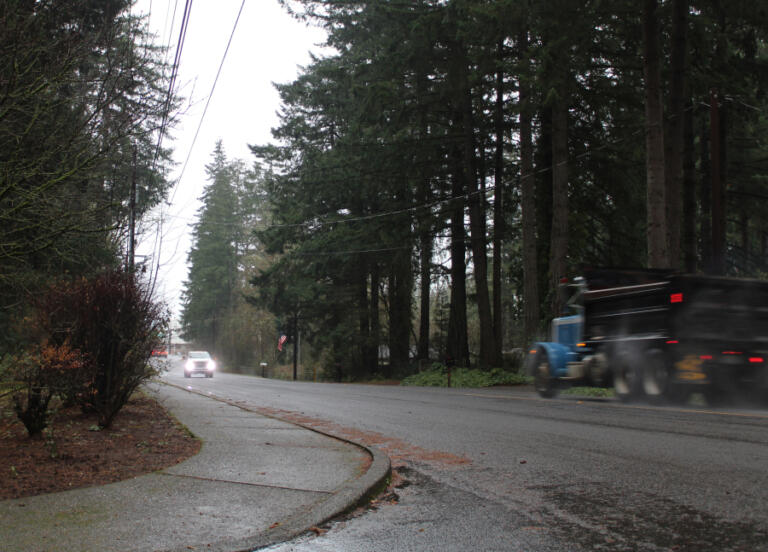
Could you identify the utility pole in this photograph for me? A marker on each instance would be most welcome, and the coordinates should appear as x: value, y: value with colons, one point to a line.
x: 132, y: 220
x: 295, y: 344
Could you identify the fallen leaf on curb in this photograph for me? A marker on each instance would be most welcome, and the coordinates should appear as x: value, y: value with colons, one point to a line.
x: 523, y: 461
x: 317, y: 531
x: 274, y: 525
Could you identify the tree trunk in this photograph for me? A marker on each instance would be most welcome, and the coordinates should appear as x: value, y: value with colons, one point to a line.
x: 528, y: 185
x: 676, y: 127
x: 425, y: 287
x: 717, y: 158
x: 689, y: 193
x: 559, y: 247
x: 498, y: 209
x: 364, y: 317
x: 654, y: 141
x: 468, y: 172
x: 426, y: 242
x: 400, y: 280
x: 705, y: 196
x: 744, y: 225
x: 374, y: 318
x: 763, y: 249
x: 457, y: 347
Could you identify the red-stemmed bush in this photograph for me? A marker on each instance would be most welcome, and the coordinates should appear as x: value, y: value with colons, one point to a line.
x: 40, y: 373
x: 112, y: 319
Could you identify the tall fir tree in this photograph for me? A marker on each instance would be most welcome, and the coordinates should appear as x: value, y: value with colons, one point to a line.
x: 208, y: 295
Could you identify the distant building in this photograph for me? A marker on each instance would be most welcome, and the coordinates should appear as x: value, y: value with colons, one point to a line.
x: 178, y: 345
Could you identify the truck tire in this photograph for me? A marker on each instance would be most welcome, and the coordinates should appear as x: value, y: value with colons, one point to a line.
x: 627, y: 380
x: 655, y: 376
x: 597, y: 370
x: 542, y: 380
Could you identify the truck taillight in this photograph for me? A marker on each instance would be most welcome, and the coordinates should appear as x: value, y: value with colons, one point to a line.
x: 705, y: 357
x: 755, y: 360
x: 676, y: 298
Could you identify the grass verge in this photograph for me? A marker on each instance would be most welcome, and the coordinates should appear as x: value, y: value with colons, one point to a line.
x: 589, y: 391
x: 437, y: 376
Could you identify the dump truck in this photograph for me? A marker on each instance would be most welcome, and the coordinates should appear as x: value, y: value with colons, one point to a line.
x: 658, y: 335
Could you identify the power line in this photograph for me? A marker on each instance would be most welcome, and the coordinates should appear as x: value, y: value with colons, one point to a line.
x: 174, y: 74
x: 182, y: 36
x: 208, y: 101
x: 412, y: 208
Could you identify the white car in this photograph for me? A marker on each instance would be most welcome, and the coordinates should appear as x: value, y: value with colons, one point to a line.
x: 199, y: 362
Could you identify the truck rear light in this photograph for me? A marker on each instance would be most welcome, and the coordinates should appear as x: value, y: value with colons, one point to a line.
x: 705, y: 357
x: 676, y: 298
x: 755, y: 360
x: 732, y: 352
x: 672, y: 342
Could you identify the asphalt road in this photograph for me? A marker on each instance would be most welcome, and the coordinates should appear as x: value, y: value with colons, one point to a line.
x: 501, y: 469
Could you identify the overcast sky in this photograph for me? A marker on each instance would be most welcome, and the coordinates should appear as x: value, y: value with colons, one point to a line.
x: 268, y: 46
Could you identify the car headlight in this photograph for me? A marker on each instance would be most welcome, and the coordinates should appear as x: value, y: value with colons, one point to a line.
x: 189, y: 365
x: 211, y: 365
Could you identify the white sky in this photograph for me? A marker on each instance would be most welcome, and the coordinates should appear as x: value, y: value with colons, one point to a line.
x: 268, y: 46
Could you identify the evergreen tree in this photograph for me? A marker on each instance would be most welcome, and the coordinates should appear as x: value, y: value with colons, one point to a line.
x: 82, y: 95
x: 208, y: 295
x: 388, y: 150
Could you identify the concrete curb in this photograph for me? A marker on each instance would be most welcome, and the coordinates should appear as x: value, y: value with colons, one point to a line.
x: 349, y: 495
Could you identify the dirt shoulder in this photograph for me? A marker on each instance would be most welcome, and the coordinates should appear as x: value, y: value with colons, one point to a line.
x: 143, y: 438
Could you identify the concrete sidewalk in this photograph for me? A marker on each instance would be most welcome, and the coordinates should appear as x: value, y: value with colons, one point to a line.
x: 255, y: 482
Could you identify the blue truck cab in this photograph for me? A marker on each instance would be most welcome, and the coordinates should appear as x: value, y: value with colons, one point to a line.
x: 561, y: 360
x: 550, y: 360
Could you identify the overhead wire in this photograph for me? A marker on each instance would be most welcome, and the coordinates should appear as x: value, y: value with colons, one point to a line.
x: 412, y: 208
x: 154, y: 272
x: 177, y: 60
x: 174, y: 74
x: 208, y: 101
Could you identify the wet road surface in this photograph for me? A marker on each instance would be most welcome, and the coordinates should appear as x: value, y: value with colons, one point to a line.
x: 501, y: 469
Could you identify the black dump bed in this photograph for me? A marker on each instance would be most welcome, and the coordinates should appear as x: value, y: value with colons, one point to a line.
x: 622, y: 304
x: 657, y: 304
x: 730, y: 311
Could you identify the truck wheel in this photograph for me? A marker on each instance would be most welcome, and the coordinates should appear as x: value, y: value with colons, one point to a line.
x: 597, y: 370
x: 627, y: 383
x: 655, y: 374
x: 542, y: 380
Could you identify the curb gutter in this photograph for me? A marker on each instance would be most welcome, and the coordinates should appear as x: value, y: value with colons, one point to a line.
x: 349, y: 495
